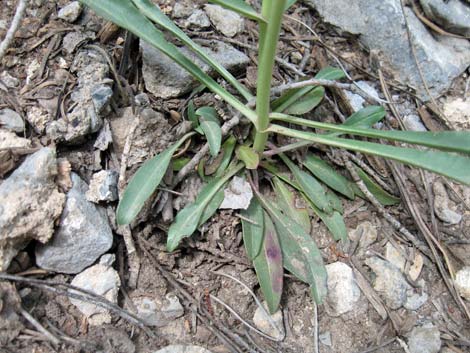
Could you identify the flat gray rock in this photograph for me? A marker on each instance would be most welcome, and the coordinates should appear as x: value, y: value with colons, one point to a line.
x: 30, y: 204
x: 103, y: 186
x: 166, y: 79
x: 228, y: 22
x: 82, y: 237
x: 11, y: 120
x: 424, y: 339
x: 380, y: 26
x: 453, y: 16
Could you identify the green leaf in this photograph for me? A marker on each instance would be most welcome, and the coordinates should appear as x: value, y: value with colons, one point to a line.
x: 457, y: 141
x: 300, y: 254
x: 240, y: 7
x: 228, y: 147
x: 179, y: 163
x: 333, y: 221
x: 154, y: 13
x: 192, y: 117
x: 187, y: 220
x: 309, y: 186
x: 210, y: 125
x: 126, y: 15
x: 268, y: 266
x: 253, y: 232
x: 335, y: 201
x: 366, y: 117
x: 329, y: 176
x: 451, y: 165
x: 292, y: 96
x: 248, y: 156
x: 330, y: 73
x: 212, y: 206
x: 144, y: 183
x: 289, y: 4
x: 380, y: 194
x: 307, y: 102
x: 287, y: 202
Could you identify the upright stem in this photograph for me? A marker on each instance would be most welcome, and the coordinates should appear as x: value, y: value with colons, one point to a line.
x: 272, y: 11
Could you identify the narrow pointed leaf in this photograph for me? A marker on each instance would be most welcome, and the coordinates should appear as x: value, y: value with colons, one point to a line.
x: 192, y: 117
x: 268, y: 266
x: 179, y: 163
x: 309, y: 186
x: 333, y: 221
x: 289, y: 4
x: 144, y: 183
x: 188, y: 219
x: 240, y: 7
x: 228, y: 147
x: 126, y: 15
x: 300, y: 253
x: 248, y: 156
x: 287, y: 201
x: 212, y: 206
x: 366, y: 117
x: 452, y: 165
x: 380, y: 194
x: 457, y: 141
x: 253, y: 232
x: 154, y: 13
x: 292, y: 96
x: 335, y: 201
x: 307, y: 102
x: 210, y: 125
x: 328, y: 175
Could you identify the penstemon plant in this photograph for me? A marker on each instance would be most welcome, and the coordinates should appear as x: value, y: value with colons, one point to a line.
x: 276, y: 232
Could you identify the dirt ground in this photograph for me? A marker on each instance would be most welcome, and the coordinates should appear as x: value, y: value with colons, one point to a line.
x: 190, y: 273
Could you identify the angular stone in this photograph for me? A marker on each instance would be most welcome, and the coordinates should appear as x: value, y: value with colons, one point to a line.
x: 102, y: 280
x: 343, y: 292
x: 452, y: 16
x: 264, y: 323
x: 103, y: 186
x: 229, y: 23
x: 457, y: 112
x: 150, y: 137
x: 237, y: 195
x: 166, y: 79
x: 198, y: 19
x: 182, y: 349
x: 82, y: 237
x: 30, y: 204
x: 11, y: 120
x: 70, y: 12
x: 380, y: 26
x: 425, y: 339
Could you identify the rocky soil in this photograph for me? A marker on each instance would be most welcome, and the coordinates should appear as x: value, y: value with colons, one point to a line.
x: 83, y: 104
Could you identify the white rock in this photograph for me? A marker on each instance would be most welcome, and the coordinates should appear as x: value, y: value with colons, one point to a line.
x: 413, y: 122
x: 102, y: 280
x: 424, y: 339
x: 70, y: 12
x: 11, y: 120
x: 414, y: 300
x: 457, y: 111
x: 226, y: 21
x: 325, y: 338
x: 395, y: 256
x: 365, y: 233
x: 462, y: 282
x: 263, y: 322
x: 182, y: 349
x: 238, y: 195
x: 343, y: 292
x: 11, y: 140
x: 198, y: 19
x: 9, y: 80
x: 356, y: 101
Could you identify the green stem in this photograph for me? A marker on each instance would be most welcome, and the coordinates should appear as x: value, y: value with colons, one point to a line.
x: 272, y: 11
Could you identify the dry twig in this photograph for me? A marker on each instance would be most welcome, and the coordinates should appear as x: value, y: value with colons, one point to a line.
x: 15, y: 23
